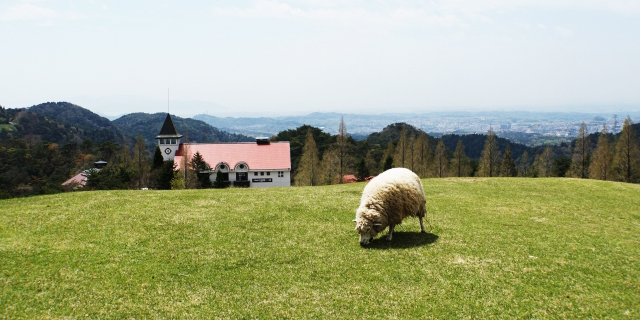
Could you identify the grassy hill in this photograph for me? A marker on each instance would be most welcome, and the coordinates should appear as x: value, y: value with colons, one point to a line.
x: 499, y: 248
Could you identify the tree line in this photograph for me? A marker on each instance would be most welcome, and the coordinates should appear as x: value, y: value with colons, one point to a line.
x: 615, y: 158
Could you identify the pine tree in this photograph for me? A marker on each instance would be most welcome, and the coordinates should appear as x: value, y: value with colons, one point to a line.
x: 202, y: 169
x: 308, y: 173
x: 361, y: 170
x: 165, y: 175
x: 508, y: 168
x: 580, y: 160
x: 219, y: 183
x: 460, y: 163
x: 158, y: 160
x: 627, y: 157
x: 602, y: 163
x: 141, y: 162
x: 441, y: 160
x: 423, y: 155
x: 490, y: 159
x: 524, y: 165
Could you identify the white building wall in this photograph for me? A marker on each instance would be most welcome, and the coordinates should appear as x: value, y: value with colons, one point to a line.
x: 263, y: 179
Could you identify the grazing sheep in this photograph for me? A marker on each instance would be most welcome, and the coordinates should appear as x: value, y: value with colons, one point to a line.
x: 389, y: 198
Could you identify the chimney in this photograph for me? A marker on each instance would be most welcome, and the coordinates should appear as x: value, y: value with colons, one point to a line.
x: 263, y: 141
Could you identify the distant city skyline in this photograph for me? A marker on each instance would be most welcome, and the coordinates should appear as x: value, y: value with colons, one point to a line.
x: 294, y: 57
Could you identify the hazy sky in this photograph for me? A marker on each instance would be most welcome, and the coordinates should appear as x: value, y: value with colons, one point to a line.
x: 288, y: 57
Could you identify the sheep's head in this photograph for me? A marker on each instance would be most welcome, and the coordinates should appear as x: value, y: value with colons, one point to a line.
x: 367, y: 229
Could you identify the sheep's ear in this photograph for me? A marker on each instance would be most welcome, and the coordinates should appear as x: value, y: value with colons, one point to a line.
x: 354, y: 220
x: 377, y: 224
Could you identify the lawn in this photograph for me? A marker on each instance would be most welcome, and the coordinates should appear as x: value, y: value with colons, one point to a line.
x: 498, y: 248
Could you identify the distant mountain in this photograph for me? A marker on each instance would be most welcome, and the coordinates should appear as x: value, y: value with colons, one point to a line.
x: 97, y: 128
x: 63, y: 122
x: 194, y: 130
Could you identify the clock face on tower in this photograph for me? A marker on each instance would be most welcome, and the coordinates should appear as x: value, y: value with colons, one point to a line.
x: 167, y: 151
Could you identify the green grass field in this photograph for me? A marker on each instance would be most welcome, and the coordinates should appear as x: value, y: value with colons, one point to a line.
x: 499, y: 248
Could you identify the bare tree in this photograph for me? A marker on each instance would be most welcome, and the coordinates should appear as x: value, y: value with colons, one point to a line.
x: 580, y: 161
x: 490, y: 159
x: 423, y: 156
x: 627, y: 156
x: 602, y: 163
x: 343, y: 150
x: 141, y: 162
x: 544, y: 163
x: 460, y: 163
x: 400, y: 156
x: 308, y: 172
x: 441, y: 160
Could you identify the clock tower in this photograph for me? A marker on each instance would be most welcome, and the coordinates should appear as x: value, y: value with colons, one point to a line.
x: 168, y: 139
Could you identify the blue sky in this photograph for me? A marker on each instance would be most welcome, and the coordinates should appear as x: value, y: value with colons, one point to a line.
x: 286, y: 57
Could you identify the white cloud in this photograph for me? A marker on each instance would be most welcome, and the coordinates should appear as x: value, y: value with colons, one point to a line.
x: 27, y: 11
x: 329, y: 11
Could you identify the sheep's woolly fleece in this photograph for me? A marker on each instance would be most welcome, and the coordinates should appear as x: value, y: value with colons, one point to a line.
x: 389, y: 198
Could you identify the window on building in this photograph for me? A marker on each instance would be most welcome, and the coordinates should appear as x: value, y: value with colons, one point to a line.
x: 262, y: 173
x: 173, y: 141
x: 280, y: 174
x: 268, y: 173
x: 255, y: 173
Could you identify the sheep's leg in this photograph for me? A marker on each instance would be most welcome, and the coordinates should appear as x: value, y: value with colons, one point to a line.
x: 422, y: 225
x: 390, y: 232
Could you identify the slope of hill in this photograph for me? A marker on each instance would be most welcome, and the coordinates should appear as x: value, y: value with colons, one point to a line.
x: 23, y: 123
x: 498, y: 248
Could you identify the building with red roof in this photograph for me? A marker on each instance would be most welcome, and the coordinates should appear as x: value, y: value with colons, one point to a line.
x: 246, y: 164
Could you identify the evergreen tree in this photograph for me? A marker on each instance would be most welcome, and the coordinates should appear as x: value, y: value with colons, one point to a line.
x: 441, y: 160
x: 141, y: 162
x: 423, y: 155
x: 202, y: 169
x: 219, y: 183
x: 165, y: 175
x: 490, y: 160
x: 580, y: 161
x: 158, y: 160
x: 524, y: 165
x: 177, y: 183
x: 361, y: 170
x: 460, y: 163
x: 308, y: 173
x: 508, y: 165
x: 388, y: 163
x: 627, y: 156
x: 602, y: 164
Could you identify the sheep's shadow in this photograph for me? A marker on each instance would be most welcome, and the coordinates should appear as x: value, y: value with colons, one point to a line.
x: 403, y: 240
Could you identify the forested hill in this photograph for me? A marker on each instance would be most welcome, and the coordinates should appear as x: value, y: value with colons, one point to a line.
x: 474, y: 143
x: 194, y: 130
x: 33, y: 126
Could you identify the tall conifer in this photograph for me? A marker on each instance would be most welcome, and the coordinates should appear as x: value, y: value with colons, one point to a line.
x: 627, y: 156
x: 601, y: 166
x: 308, y: 172
x: 490, y: 159
x: 441, y: 160
x: 423, y: 156
x: 460, y: 163
x: 508, y: 167
x: 580, y: 160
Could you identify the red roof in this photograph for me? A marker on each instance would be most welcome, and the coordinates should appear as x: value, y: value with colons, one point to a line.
x: 273, y: 156
x: 79, y: 179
